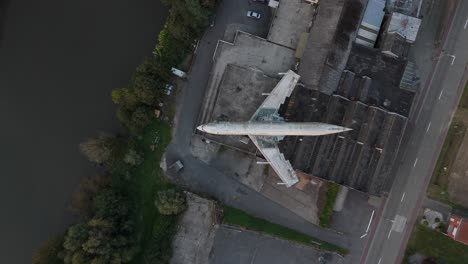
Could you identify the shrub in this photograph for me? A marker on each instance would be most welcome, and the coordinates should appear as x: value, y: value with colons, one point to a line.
x: 170, y: 202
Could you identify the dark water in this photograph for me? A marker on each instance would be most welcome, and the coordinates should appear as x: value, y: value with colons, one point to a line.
x: 59, y: 60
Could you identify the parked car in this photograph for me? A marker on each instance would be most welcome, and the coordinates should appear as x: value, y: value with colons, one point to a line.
x: 261, y: 1
x: 168, y: 88
x: 253, y: 14
x: 178, y: 73
x: 177, y: 166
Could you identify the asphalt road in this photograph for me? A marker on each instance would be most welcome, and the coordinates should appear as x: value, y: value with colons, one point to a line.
x: 428, y: 129
x: 59, y: 61
x: 200, y: 177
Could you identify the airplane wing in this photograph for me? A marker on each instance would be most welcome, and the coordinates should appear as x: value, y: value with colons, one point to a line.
x: 269, y: 148
x: 274, y: 100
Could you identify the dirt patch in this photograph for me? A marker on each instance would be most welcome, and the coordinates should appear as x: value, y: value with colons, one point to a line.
x: 196, y: 231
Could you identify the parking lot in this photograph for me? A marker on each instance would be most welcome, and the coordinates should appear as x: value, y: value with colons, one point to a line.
x: 232, y: 246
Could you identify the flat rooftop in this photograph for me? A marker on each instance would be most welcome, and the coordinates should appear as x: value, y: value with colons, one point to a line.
x: 404, y: 25
x: 290, y: 19
x: 247, y: 51
x: 238, y: 97
x: 320, y: 41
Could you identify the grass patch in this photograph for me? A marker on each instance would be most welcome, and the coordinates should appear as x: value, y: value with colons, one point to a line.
x: 327, y: 211
x: 146, y: 183
x: 436, y: 245
x: 237, y: 217
x: 448, y: 153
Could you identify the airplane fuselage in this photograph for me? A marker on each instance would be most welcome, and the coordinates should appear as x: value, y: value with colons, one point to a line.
x: 271, y: 128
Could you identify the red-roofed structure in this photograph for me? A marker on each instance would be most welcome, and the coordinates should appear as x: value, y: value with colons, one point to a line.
x: 458, y: 229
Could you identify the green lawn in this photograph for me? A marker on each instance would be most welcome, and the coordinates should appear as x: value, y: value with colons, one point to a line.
x: 437, y: 245
x: 147, y: 182
x: 233, y: 216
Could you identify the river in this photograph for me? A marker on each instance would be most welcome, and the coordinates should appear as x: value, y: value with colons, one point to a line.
x: 59, y: 61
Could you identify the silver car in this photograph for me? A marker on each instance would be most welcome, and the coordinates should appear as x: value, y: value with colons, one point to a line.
x: 253, y: 14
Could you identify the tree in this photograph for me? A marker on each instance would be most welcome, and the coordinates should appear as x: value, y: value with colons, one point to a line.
x: 146, y: 93
x: 48, y: 251
x: 170, y: 202
x: 98, y: 149
x: 141, y: 117
x: 80, y: 257
x: 82, y: 200
x: 125, y: 97
x: 75, y: 237
x: 110, y: 204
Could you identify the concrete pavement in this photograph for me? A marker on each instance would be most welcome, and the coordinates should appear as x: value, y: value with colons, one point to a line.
x: 429, y: 126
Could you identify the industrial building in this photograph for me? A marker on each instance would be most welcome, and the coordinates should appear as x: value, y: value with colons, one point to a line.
x: 346, y: 81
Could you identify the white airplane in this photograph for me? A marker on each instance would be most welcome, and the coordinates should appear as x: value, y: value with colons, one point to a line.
x: 266, y: 128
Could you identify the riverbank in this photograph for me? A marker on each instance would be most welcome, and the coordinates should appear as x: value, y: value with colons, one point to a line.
x: 59, y: 62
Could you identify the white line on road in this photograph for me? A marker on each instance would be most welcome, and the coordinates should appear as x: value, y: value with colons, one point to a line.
x: 370, y: 221
x: 453, y: 58
x: 441, y: 92
x: 380, y: 259
x: 429, y: 126
x: 389, y: 233
x: 466, y: 24
x: 402, y: 197
x: 364, y: 235
x: 415, y: 162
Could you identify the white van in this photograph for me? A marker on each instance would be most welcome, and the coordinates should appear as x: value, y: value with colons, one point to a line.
x: 178, y: 73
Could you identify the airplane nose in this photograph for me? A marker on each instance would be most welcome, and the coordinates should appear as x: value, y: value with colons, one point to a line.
x: 201, y: 128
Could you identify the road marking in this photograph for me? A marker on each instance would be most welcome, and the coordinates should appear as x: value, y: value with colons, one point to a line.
x: 453, y: 58
x: 441, y: 92
x: 370, y: 221
x: 364, y: 235
x: 389, y: 233
x: 380, y: 259
x: 415, y: 162
x: 402, y: 197
x: 429, y: 126
x: 466, y: 24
